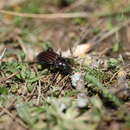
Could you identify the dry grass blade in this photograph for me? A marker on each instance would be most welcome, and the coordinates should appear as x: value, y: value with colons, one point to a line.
x: 1, y: 56
x: 47, y: 16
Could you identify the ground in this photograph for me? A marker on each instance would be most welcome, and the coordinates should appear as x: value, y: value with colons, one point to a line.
x: 95, y: 95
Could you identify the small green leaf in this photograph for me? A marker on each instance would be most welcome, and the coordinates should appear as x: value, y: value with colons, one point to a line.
x: 24, y: 113
x: 3, y: 90
x: 103, y: 89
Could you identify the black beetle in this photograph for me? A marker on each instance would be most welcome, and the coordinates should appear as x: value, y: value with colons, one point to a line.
x: 53, y: 61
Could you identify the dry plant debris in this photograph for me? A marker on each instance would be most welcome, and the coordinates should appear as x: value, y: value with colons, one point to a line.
x: 94, y: 36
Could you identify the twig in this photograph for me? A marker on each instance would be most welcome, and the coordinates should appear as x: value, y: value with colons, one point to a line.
x: 29, y: 97
x: 6, y: 78
x: 108, y: 34
x: 103, y: 52
x: 39, y: 92
x: 64, y: 83
x: 9, y: 107
x: 14, y: 117
x: 47, y: 16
